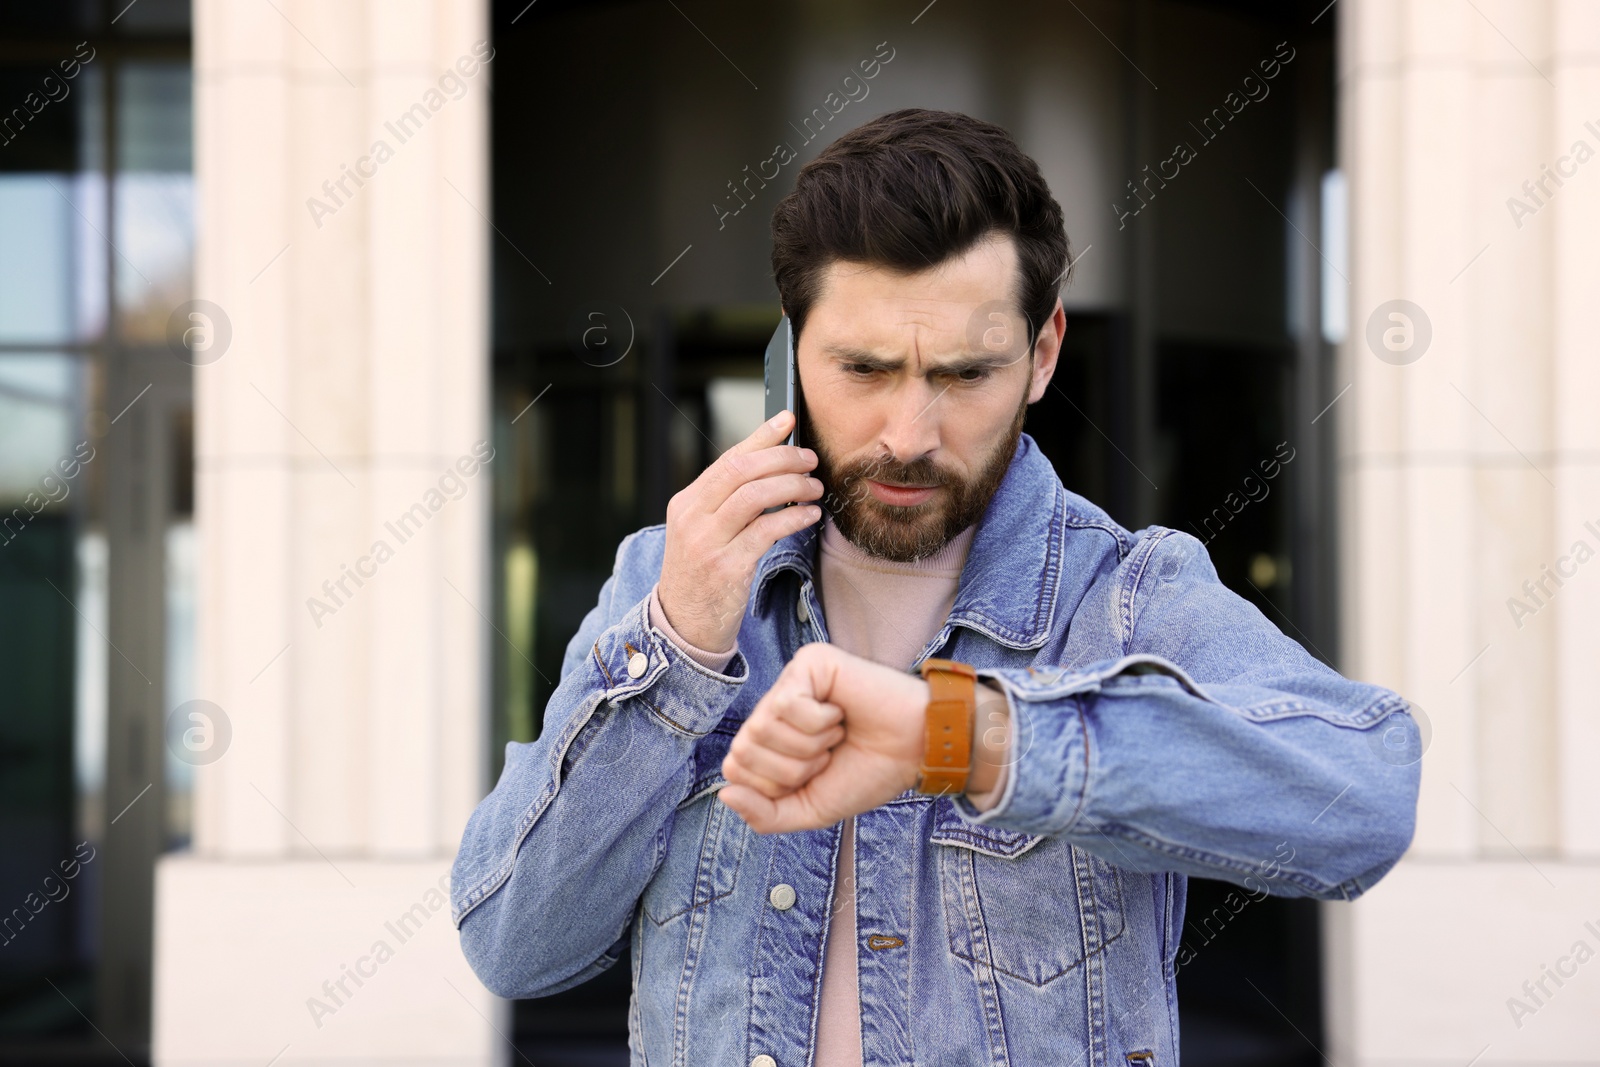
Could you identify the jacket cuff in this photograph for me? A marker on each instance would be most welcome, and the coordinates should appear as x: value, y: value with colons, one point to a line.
x: 1048, y: 789
x: 1028, y: 797
x: 636, y: 659
x: 715, y: 661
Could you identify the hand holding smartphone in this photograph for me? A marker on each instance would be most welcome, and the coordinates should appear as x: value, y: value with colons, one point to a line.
x: 750, y: 498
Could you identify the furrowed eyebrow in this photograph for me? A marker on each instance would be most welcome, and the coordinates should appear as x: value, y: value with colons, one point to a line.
x: 966, y: 363
x: 863, y: 358
x: 960, y: 365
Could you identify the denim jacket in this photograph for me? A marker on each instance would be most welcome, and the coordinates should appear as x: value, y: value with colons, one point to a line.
x: 1163, y: 727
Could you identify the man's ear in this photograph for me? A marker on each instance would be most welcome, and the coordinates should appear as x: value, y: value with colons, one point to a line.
x: 1047, y: 351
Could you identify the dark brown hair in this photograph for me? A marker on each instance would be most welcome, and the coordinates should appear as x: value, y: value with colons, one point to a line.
x: 908, y: 191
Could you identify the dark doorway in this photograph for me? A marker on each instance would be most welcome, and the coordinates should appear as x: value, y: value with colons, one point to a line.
x: 1201, y: 360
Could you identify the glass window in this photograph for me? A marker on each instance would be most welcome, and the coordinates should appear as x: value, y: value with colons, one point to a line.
x: 36, y: 258
x: 96, y: 212
x: 38, y: 395
x: 154, y: 201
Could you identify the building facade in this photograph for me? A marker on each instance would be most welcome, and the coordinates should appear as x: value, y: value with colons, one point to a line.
x: 304, y: 296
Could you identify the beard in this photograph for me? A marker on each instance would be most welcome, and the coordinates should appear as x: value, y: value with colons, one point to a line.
x: 905, y: 534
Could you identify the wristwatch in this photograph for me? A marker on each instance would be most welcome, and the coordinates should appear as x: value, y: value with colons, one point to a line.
x: 952, y: 703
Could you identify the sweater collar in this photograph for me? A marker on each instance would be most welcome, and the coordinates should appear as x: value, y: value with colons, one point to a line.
x: 946, y: 562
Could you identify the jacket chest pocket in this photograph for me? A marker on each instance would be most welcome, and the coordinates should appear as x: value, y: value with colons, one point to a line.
x: 1036, y: 907
x: 704, y: 847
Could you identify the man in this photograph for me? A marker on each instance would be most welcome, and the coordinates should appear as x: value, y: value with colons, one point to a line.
x: 755, y: 770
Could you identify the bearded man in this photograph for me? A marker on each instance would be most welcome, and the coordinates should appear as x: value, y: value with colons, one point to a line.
x: 913, y: 770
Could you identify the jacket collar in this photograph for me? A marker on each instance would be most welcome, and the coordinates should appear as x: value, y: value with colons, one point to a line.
x: 1010, y: 585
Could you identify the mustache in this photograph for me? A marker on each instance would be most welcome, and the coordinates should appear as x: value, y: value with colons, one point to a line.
x: 920, y: 472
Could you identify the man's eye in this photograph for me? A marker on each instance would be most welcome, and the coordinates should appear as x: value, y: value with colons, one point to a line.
x: 861, y: 369
x: 974, y: 374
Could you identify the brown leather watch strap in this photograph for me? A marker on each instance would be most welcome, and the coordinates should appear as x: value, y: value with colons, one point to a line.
x: 952, y: 702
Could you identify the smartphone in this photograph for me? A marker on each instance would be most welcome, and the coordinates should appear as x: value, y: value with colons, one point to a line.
x: 779, y: 380
x: 778, y: 375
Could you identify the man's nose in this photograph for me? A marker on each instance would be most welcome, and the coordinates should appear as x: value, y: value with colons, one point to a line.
x: 912, y: 429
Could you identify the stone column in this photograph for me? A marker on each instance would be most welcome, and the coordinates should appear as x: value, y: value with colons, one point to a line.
x: 1470, y: 490
x: 343, y: 488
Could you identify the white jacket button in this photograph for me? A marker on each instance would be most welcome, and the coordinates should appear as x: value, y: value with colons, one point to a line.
x: 782, y: 896
x: 763, y: 1060
x: 802, y: 612
x: 638, y: 663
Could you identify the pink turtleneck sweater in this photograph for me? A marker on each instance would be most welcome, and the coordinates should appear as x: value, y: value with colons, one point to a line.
x: 886, y: 612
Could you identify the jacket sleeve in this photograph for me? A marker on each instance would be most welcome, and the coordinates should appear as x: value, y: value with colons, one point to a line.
x: 1215, y: 746
x: 553, y: 862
